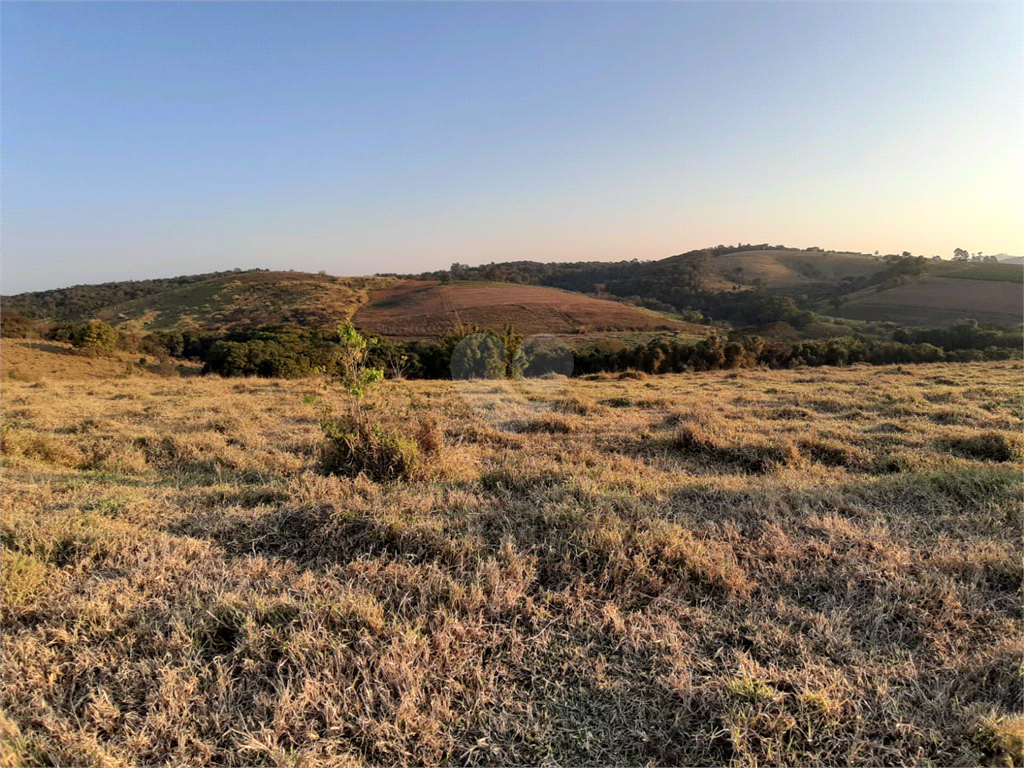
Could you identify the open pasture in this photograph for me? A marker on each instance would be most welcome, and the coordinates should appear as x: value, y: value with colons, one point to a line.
x: 794, y: 567
x: 936, y: 301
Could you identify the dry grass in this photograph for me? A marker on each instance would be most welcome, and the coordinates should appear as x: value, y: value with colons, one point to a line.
x: 931, y: 301
x: 826, y: 571
x: 35, y: 361
x: 248, y: 298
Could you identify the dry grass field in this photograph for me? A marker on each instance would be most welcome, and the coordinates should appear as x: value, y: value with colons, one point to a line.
x: 248, y: 298
x: 421, y: 309
x: 787, y: 269
x: 33, y: 360
x: 932, y: 301
x: 751, y: 568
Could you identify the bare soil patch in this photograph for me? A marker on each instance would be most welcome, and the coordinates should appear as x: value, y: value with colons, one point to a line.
x: 416, y: 309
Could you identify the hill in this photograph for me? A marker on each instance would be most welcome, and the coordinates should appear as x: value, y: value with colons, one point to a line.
x: 787, y: 268
x: 933, y: 301
x: 760, y: 285
x: 208, y: 302
x: 42, y: 361
x: 424, y: 309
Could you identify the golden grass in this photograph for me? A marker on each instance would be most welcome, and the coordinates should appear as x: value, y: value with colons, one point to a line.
x: 826, y: 572
x: 248, y: 298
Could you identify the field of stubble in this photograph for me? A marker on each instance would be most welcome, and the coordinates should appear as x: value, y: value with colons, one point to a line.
x: 752, y: 568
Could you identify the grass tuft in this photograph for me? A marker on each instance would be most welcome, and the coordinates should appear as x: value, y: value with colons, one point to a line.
x: 986, y: 446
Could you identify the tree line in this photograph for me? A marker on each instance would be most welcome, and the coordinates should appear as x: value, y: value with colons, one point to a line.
x: 295, y: 352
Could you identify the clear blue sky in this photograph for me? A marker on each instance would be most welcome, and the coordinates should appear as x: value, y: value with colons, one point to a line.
x: 157, y: 139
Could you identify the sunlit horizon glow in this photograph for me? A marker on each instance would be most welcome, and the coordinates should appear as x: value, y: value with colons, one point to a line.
x: 145, y: 140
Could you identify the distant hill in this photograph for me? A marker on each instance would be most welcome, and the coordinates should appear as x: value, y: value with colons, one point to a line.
x: 206, y: 302
x: 423, y: 309
x: 747, y: 286
x: 762, y: 285
x: 939, y: 301
x: 1004, y: 259
x: 782, y: 268
x: 708, y: 269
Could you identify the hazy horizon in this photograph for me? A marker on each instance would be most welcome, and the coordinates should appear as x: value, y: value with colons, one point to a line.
x: 153, y: 140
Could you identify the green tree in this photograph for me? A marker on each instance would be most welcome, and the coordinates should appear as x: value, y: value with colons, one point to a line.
x: 95, y: 335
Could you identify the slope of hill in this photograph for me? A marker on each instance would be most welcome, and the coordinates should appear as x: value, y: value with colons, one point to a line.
x: 933, y: 301
x: 977, y: 271
x: 221, y: 301
x: 772, y: 268
x: 81, y: 302
x: 38, y: 360
x: 421, y: 309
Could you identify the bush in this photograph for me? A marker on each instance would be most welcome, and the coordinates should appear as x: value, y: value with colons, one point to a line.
x: 380, y: 454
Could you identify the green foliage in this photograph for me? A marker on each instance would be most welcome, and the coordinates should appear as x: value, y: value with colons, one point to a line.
x: 354, y: 374
x: 479, y: 356
x: 280, y: 352
x: 94, y: 335
x: 82, y: 301
x: 965, y: 335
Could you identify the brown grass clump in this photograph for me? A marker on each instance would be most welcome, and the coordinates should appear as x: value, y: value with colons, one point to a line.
x: 757, y: 456
x: 578, y: 406
x: 551, y: 424
x: 428, y: 437
x: 834, y: 453
x: 986, y: 446
x: 695, y: 583
x: 1001, y: 740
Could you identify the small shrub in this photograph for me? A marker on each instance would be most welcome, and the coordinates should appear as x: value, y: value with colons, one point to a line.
x: 94, y: 335
x: 370, y: 449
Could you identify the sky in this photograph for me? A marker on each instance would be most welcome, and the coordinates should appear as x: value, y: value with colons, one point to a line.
x: 157, y: 139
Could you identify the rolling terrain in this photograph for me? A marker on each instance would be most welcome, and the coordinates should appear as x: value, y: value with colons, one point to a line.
x: 745, y: 285
x: 937, y: 301
x: 222, y: 301
x: 588, y: 301
x: 730, y: 568
x: 422, y: 309
x: 794, y: 268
